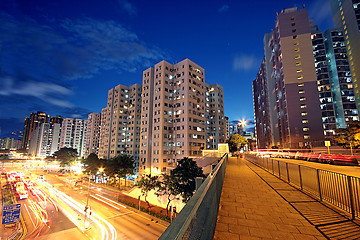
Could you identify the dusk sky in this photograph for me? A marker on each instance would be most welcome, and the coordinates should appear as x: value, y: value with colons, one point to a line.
x: 62, y: 57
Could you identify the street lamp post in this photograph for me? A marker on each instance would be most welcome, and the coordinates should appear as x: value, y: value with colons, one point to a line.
x: 86, y: 224
x: 213, y: 143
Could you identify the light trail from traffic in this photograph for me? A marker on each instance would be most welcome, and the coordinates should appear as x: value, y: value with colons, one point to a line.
x: 107, y: 233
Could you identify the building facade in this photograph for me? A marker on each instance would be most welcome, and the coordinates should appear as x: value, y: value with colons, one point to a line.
x: 92, y: 134
x: 346, y: 16
x: 31, y: 123
x: 73, y: 135
x: 120, y: 123
x: 291, y: 84
x: 45, y: 140
x: 227, y: 128
x: 261, y: 109
x: 9, y: 143
x: 179, y: 114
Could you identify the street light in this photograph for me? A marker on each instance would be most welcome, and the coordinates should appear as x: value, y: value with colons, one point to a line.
x: 213, y: 145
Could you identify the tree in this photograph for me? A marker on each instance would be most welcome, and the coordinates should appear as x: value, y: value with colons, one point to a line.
x: 148, y: 183
x: 120, y: 166
x: 169, y: 187
x: 66, y: 156
x: 349, y: 137
x: 236, y: 142
x: 92, y: 163
x: 185, y: 174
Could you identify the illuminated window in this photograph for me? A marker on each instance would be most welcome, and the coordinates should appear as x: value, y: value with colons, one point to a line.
x: 342, y: 18
x: 306, y: 129
x: 299, y: 70
x: 306, y: 136
x: 297, y: 49
x: 302, y: 99
x: 303, y: 106
x: 296, y: 43
x: 301, y: 91
x: 303, y: 113
x: 300, y: 77
x: 298, y: 63
x: 304, y: 121
x: 300, y: 84
x: 297, y: 56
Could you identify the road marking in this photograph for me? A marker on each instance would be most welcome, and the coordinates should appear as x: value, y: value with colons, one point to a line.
x: 118, y: 215
x: 104, y: 202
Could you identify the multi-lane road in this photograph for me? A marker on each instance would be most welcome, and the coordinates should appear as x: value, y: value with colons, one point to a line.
x: 56, y: 211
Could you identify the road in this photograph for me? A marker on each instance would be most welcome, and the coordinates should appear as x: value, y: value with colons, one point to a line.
x: 126, y: 223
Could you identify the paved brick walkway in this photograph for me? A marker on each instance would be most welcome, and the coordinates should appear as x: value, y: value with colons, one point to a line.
x: 251, y: 209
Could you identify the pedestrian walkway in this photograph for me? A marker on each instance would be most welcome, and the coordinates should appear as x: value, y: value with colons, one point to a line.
x: 257, y: 205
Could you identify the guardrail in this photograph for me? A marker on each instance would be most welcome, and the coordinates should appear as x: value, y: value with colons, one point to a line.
x: 338, y: 189
x: 197, y: 219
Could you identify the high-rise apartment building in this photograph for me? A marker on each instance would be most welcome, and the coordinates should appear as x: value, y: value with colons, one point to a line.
x: 324, y: 84
x: 294, y: 107
x: 120, y: 123
x: 179, y: 114
x: 73, y: 135
x: 214, y: 113
x: 9, y: 143
x: 346, y: 16
x: 261, y: 109
x: 341, y: 78
x: 92, y: 134
x: 31, y: 123
x: 227, y: 134
x: 45, y: 140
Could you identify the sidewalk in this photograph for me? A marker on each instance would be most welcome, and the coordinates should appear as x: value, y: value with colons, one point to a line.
x: 256, y: 205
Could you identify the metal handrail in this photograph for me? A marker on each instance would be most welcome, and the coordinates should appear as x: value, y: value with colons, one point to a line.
x: 179, y: 227
x: 337, y: 189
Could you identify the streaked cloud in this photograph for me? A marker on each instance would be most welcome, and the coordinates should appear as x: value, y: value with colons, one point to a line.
x: 47, y: 92
x: 245, y: 62
x: 43, y: 60
x: 223, y: 8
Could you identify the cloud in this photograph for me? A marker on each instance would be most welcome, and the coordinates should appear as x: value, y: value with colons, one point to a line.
x: 223, y: 8
x: 128, y: 7
x: 245, y: 63
x: 41, y: 90
x: 42, y: 59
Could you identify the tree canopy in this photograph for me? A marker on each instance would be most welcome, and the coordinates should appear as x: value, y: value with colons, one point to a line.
x: 120, y: 166
x: 349, y: 135
x: 148, y: 183
x: 185, y: 174
x: 65, y: 156
x: 92, y: 163
x: 236, y: 142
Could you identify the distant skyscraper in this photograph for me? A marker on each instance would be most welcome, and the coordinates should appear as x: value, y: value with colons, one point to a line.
x: 57, y: 119
x: 9, y: 143
x: 93, y: 134
x: 73, y: 135
x: 346, y: 16
x: 120, y: 123
x: 31, y: 124
x: 227, y: 135
x: 294, y: 107
x: 45, y: 140
x: 180, y: 112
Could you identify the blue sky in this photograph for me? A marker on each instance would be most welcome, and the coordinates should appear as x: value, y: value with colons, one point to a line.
x: 62, y: 57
